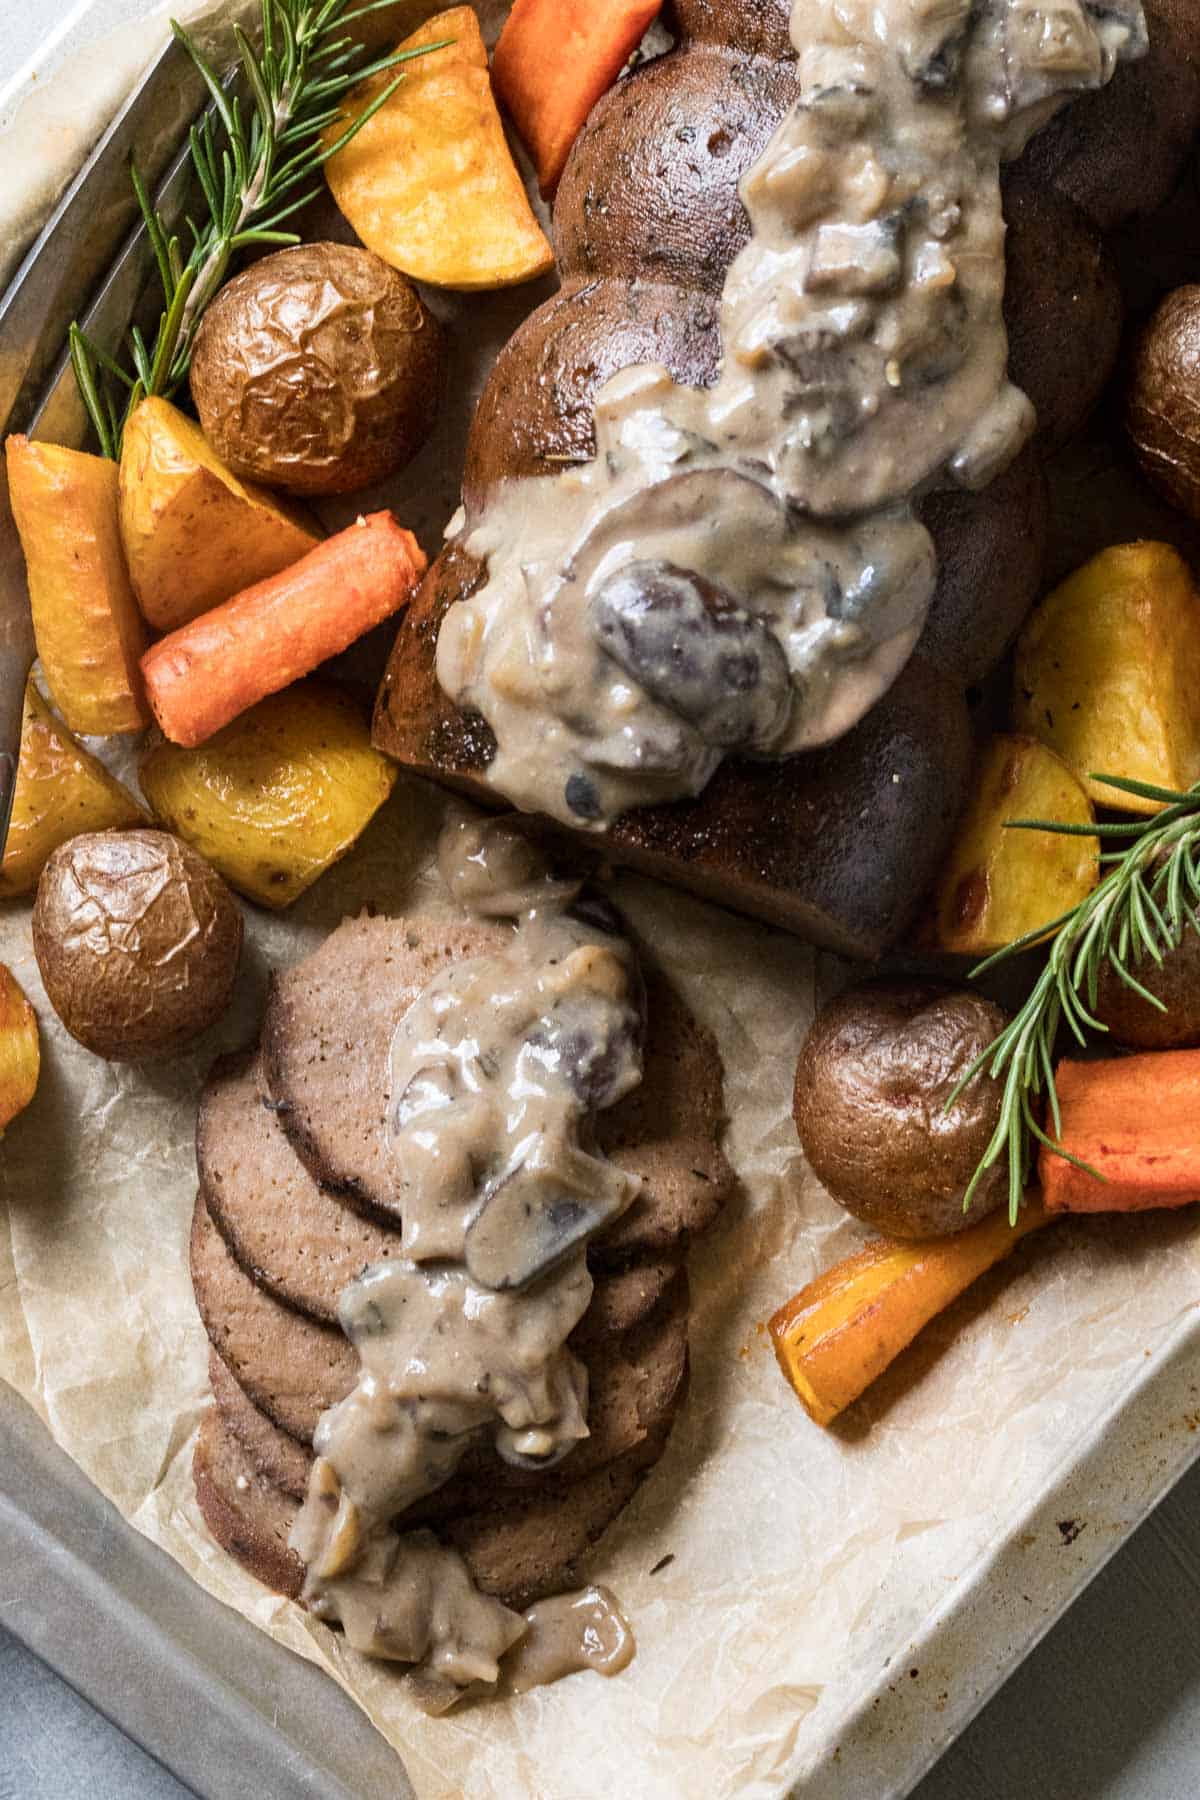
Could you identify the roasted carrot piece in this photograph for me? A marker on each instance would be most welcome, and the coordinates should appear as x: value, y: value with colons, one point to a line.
x: 206, y: 673
x: 838, y: 1335
x: 1136, y: 1121
x: 554, y: 60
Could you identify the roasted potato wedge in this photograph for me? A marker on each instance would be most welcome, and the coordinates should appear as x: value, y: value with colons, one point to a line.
x: 85, y: 619
x: 429, y: 183
x: 1108, y: 672
x: 1000, y: 884
x: 278, y: 796
x: 61, y: 790
x: 20, y: 1050
x: 194, y: 533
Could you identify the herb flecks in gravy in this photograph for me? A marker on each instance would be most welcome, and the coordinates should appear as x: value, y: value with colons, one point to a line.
x: 740, y: 569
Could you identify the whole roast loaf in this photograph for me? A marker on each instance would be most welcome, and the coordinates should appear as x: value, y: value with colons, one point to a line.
x: 837, y: 844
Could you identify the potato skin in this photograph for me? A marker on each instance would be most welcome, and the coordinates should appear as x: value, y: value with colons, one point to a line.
x: 872, y: 1082
x: 1176, y: 982
x: 137, y: 940
x: 318, y: 370
x: 1163, y: 403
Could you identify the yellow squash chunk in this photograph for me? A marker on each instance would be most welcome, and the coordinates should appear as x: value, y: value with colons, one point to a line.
x: 998, y: 883
x: 85, y: 619
x: 194, y: 533
x: 429, y: 183
x: 61, y: 790
x: 20, y: 1050
x: 278, y: 796
x: 1108, y: 672
x: 838, y: 1335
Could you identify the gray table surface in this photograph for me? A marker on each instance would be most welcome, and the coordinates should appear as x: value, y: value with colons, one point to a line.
x: 1107, y: 1707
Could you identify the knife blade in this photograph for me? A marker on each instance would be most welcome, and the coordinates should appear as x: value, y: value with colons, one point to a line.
x: 88, y: 232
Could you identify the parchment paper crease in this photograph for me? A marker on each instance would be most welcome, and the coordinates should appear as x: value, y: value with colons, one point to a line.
x: 803, y: 1562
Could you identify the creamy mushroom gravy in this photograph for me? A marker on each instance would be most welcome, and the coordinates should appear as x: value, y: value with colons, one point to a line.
x: 497, y: 1070
x: 740, y: 568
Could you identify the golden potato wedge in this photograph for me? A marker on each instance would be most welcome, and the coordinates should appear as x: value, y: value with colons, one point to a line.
x: 20, y: 1050
x: 1000, y: 884
x: 85, y: 619
x: 1108, y: 672
x: 429, y: 183
x: 278, y: 796
x: 194, y: 533
x: 61, y: 790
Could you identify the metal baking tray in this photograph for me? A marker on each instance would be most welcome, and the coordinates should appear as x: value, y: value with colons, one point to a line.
x: 232, y: 1714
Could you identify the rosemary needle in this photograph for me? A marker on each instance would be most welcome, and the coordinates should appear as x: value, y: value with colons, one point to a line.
x: 249, y: 164
x: 1147, y: 897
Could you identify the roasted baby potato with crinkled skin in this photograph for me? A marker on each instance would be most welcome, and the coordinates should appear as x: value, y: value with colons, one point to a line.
x: 1108, y: 673
x: 1000, y: 883
x: 20, y: 1050
x: 278, y: 796
x: 138, y: 942
x: 872, y: 1082
x: 195, y: 534
x: 1163, y: 402
x: 61, y: 790
x: 318, y: 370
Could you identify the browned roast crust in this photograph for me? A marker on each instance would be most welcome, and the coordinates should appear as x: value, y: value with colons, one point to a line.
x: 1062, y: 307
x: 528, y: 1548
x: 782, y: 840
x: 304, y: 1245
x: 705, y: 115
x: 326, y: 1040
x: 292, y: 1368
x: 536, y: 411
x: 991, y: 550
x: 1120, y: 151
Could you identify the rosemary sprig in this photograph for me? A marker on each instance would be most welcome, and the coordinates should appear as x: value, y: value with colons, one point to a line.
x: 1144, y: 902
x: 249, y: 162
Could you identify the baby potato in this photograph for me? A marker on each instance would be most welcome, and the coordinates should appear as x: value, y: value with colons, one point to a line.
x: 278, y: 796
x: 318, y: 370
x: 1175, y: 981
x: 1000, y: 883
x: 1108, y: 673
x: 872, y: 1082
x: 138, y: 942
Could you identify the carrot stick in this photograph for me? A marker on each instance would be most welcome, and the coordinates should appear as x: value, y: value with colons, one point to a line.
x: 838, y: 1335
x: 1136, y: 1121
x: 554, y: 60
x: 203, y: 675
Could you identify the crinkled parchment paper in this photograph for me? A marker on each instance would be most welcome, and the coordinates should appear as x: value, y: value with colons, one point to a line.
x: 801, y: 1562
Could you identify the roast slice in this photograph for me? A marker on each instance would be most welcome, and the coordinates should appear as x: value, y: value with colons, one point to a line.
x: 326, y: 1042
x: 291, y: 1368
